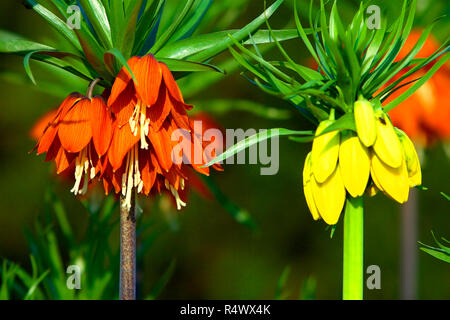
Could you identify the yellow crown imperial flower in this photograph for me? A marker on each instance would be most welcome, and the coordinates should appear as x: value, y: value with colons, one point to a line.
x: 340, y: 162
x: 354, y: 162
x: 325, y: 152
x: 365, y: 122
x: 387, y: 144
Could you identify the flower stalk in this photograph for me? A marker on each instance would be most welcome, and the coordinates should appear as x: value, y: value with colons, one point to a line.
x: 127, y: 249
x: 91, y: 87
x: 353, y: 249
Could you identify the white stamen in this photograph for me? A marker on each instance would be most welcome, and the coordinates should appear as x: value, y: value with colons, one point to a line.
x: 180, y: 203
x: 92, y: 173
x: 143, y: 122
x: 82, y: 164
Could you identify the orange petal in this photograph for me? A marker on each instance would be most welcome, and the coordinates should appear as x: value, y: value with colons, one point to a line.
x: 122, y: 80
x: 124, y: 101
x: 148, y: 75
x: 42, y: 124
x: 162, y: 145
x: 63, y: 160
x: 53, y: 150
x: 148, y: 172
x: 50, y: 131
x: 174, y: 176
x: 68, y: 103
x: 75, y: 128
x: 123, y: 140
x: 46, y: 140
x: 154, y: 161
x: 180, y: 116
x: 160, y: 110
x: 101, y: 124
x: 196, y: 147
x: 171, y: 83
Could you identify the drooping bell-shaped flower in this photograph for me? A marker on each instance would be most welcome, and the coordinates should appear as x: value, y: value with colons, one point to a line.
x: 149, y: 113
x: 79, y: 132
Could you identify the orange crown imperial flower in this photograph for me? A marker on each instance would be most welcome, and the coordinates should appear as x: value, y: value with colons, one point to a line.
x: 147, y: 112
x: 79, y: 132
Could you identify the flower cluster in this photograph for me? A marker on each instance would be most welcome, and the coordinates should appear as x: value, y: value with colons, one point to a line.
x: 124, y: 137
x: 377, y: 156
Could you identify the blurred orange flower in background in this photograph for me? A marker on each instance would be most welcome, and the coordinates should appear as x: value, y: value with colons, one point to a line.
x: 424, y: 116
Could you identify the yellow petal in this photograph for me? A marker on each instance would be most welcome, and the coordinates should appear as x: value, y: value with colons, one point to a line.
x: 307, y: 188
x: 365, y: 122
x: 415, y: 179
x: 329, y: 196
x: 387, y: 144
x: 372, y: 190
x: 354, y: 163
x: 411, y: 158
x: 392, y: 181
x: 325, y: 152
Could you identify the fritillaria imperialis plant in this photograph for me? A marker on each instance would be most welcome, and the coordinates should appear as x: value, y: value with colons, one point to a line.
x: 134, y: 50
x: 356, y: 150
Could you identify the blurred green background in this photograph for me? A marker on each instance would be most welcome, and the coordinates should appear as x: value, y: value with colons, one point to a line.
x: 217, y: 258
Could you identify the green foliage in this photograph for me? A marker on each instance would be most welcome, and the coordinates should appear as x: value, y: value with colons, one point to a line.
x: 441, y: 252
x: 352, y: 60
x: 238, y: 214
x: 113, y: 31
x: 54, y: 246
x: 307, y: 288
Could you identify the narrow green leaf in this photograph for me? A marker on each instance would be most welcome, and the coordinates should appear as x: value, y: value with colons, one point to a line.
x: 281, y: 285
x: 96, y: 14
x: 26, y: 64
x: 240, y: 215
x: 128, y: 33
x: 118, y: 55
x: 173, y: 27
x: 303, y: 34
x: 162, y: 282
x: 224, y: 106
x: 55, y: 22
x: 417, y: 85
x: 182, y: 65
x: 346, y: 122
x: 439, y: 254
x: 188, y: 47
x: 34, y: 286
x: 187, y: 28
x: 256, y: 138
x: 13, y: 43
x: 239, y: 35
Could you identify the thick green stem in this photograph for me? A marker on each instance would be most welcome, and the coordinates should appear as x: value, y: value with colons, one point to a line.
x: 353, y: 275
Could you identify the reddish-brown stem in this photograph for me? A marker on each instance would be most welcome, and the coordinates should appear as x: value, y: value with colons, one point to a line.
x: 127, y: 250
x: 91, y: 87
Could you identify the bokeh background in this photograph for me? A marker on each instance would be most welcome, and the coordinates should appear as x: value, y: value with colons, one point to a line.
x: 217, y: 257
